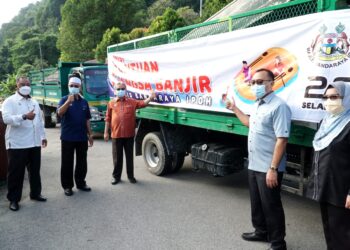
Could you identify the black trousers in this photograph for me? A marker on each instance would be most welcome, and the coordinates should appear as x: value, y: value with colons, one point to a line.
x: 118, y: 144
x: 336, y: 226
x: 18, y: 160
x: 67, y: 163
x: 266, y: 209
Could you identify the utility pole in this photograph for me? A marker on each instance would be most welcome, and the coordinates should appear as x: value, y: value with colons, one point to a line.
x: 41, y: 54
x: 200, y: 7
x: 40, y: 51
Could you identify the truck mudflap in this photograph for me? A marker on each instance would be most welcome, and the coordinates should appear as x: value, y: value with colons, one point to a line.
x: 219, y: 159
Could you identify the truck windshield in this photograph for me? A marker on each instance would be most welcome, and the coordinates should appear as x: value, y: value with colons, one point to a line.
x: 96, y: 81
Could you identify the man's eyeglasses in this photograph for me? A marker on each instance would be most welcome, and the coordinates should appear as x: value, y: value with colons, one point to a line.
x: 120, y: 89
x: 258, y: 82
x: 74, y: 86
x: 332, y: 97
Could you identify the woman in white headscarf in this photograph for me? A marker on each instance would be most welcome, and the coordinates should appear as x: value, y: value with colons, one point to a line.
x: 329, y: 182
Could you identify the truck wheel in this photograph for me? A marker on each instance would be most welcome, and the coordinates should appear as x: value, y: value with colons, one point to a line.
x: 177, y: 162
x: 154, y: 154
x: 49, y: 121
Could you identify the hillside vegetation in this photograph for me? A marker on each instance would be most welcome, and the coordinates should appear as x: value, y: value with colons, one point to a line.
x: 80, y: 30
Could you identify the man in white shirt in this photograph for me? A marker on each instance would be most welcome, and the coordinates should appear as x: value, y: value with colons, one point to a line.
x: 24, y: 138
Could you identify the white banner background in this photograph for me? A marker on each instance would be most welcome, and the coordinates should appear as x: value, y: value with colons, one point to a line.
x: 218, y: 59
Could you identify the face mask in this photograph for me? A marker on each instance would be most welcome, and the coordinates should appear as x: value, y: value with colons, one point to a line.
x: 120, y: 93
x: 25, y: 90
x: 258, y: 90
x: 74, y: 91
x: 334, y: 107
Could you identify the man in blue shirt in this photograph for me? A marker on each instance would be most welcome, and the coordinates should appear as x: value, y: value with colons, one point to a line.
x: 269, y: 127
x: 75, y: 136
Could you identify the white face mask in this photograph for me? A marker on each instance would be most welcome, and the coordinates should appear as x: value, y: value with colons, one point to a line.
x: 334, y: 107
x: 24, y: 90
x: 73, y: 90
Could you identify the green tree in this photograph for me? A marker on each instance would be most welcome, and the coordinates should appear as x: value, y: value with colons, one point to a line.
x: 124, y: 37
x: 48, y: 16
x: 111, y: 36
x: 193, y: 4
x: 158, y: 8
x: 5, y: 61
x: 8, y: 87
x: 26, y: 49
x: 19, y: 39
x: 169, y: 20
x: 23, y: 21
x: 137, y: 33
x: 24, y: 69
x: 212, y: 6
x: 83, y: 23
x: 188, y: 15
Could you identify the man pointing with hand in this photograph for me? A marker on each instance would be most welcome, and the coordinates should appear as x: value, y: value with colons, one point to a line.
x: 269, y: 127
x: 25, y: 136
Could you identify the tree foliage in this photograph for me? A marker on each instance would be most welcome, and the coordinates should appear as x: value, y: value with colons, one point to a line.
x: 19, y: 39
x: 188, y: 15
x: 169, y: 20
x: 8, y: 87
x: 78, y: 30
x: 158, y: 8
x: 212, y: 6
x: 111, y: 36
x: 84, y: 22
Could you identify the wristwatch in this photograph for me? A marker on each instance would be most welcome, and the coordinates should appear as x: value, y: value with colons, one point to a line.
x: 24, y: 117
x: 274, y: 168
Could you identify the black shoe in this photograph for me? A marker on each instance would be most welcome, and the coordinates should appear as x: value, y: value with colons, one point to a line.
x: 85, y: 188
x: 277, y: 248
x: 132, y: 180
x: 38, y: 198
x: 68, y: 191
x: 254, y: 237
x: 115, y: 181
x: 14, y: 206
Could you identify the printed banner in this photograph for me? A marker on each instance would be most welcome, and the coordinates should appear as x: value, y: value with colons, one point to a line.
x: 305, y: 54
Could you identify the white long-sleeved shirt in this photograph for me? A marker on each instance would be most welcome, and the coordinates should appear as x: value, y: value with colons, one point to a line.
x: 22, y: 133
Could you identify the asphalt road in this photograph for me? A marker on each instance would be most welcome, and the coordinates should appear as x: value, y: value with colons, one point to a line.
x: 188, y: 210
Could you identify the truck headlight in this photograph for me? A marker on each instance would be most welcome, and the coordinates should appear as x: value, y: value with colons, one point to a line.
x: 95, y: 114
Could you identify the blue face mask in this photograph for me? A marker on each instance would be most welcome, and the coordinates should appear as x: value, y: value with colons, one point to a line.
x: 258, y: 90
x: 121, y: 93
x: 73, y: 91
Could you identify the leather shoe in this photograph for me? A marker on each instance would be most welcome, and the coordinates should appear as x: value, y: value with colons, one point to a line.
x: 278, y: 248
x: 14, y: 206
x: 85, y: 188
x: 132, y: 180
x: 254, y: 237
x: 38, y: 198
x: 115, y: 181
x: 68, y: 191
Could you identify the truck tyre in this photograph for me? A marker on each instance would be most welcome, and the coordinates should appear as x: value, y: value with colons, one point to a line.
x: 49, y: 120
x: 49, y: 123
x: 177, y: 162
x: 154, y: 154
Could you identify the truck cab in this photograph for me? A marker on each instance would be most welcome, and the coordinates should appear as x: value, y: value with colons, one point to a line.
x: 96, y: 91
x: 51, y: 84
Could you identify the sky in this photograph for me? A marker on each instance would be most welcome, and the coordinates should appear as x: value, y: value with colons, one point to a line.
x: 10, y: 8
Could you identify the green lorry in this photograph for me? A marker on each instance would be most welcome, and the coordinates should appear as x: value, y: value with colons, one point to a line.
x: 167, y: 133
x: 51, y: 84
